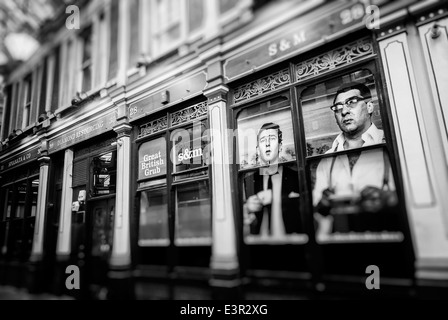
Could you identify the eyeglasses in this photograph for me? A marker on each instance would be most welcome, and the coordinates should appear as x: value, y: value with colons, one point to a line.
x: 350, y: 103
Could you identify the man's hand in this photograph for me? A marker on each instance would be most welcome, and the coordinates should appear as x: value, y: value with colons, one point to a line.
x: 254, y: 204
x: 324, y: 205
x: 265, y: 197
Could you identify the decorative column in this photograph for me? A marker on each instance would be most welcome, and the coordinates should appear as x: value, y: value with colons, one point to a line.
x: 121, y: 248
x: 120, y: 274
x: 224, y: 262
x: 38, y: 238
x: 65, y: 220
x: 420, y: 149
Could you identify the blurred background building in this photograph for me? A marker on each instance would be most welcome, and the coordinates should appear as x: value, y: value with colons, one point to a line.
x: 99, y: 99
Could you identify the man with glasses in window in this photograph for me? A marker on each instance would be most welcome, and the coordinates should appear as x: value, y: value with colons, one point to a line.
x: 355, y: 180
x: 272, y: 191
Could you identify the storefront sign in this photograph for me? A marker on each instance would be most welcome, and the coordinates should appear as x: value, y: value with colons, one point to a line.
x: 83, y: 132
x: 152, y: 159
x: 20, y: 159
x: 179, y: 91
x: 303, y: 36
x: 187, y: 155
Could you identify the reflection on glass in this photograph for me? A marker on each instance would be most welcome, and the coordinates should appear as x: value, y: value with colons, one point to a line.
x: 251, y: 120
x: 190, y: 147
x: 153, y: 228
x: 354, y: 194
x: 195, y: 14
x: 9, y: 203
x: 104, y: 173
x: 35, y: 188
x: 102, y: 230
x: 357, y: 199
x: 193, y: 213
x: 320, y: 124
x: 21, y: 197
x: 226, y: 5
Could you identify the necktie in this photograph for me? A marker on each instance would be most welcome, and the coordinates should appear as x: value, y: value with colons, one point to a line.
x: 269, y: 209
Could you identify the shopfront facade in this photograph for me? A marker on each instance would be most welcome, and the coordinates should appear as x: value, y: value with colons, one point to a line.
x: 202, y: 173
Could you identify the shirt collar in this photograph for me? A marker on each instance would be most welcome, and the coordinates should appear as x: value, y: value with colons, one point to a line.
x: 372, y: 136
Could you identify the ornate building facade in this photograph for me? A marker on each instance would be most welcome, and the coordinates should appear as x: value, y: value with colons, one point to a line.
x: 130, y: 147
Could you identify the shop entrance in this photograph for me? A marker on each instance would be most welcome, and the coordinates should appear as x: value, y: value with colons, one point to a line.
x: 100, y: 215
x: 94, y: 185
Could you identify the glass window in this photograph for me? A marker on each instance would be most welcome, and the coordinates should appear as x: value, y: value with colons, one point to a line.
x: 193, y: 214
x: 251, y: 120
x: 67, y: 73
x: 268, y: 174
x: 353, y: 187
x: 35, y: 189
x: 175, y: 199
x: 102, y: 229
x: 21, y: 197
x: 6, y: 202
x: 18, y: 207
x: 27, y: 106
x: 104, y: 174
x: 87, y: 60
x: 153, y: 227
x: 195, y: 14
x: 320, y: 125
x: 226, y: 5
x: 152, y: 159
x: 190, y: 145
x: 167, y: 23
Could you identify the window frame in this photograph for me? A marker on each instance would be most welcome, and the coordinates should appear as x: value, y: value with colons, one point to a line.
x: 295, y: 87
x: 18, y: 245
x: 168, y: 180
x: 27, y: 100
x: 86, y: 65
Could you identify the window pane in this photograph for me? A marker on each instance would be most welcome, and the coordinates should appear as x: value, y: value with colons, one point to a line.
x: 354, y: 194
x: 321, y: 127
x: 104, y: 173
x: 195, y: 14
x: 274, y: 112
x: 7, y: 204
x: 134, y: 50
x: 102, y: 229
x: 86, y: 79
x: 87, y: 48
x: 190, y: 147
x: 226, y: 5
x: 152, y: 158
x: 167, y: 23
x: 35, y: 188
x: 87, y: 60
x: 193, y: 213
x: 354, y: 198
x: 153, y: 228
x: 21, y: 197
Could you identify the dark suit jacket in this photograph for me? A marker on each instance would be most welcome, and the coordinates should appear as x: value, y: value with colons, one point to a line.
x: 253, y: 183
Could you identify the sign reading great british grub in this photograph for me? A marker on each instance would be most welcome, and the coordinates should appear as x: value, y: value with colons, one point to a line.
x: 305, y: 33
x: 152, y: 159
x: 83, y: 132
